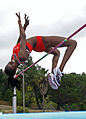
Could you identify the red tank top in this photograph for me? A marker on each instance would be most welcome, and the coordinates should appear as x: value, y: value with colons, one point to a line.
x: 16, y: 50
x: 39, y: 48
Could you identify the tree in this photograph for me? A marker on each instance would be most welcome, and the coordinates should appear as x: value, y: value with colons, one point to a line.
x: 32, y: 77
x: 5, y: 92
x: 43, y: 86
x: 71, y: 91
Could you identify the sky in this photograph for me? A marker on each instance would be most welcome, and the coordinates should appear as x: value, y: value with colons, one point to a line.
x: 47, y: 18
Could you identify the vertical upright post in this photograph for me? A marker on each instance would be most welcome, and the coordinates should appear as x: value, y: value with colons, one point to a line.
x: 43, y: 103
x: 14, y: 100
x: 23, y: 95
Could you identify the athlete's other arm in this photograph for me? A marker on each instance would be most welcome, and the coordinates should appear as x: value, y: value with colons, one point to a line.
x: 25, y: 24
x: 22, y: 33
x: 22, y: 54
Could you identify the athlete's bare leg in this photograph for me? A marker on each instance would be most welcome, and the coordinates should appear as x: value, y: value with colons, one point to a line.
x: 71, y: 45
x: 52, y: 41
x: 55, y: 59
x: 55, y: 78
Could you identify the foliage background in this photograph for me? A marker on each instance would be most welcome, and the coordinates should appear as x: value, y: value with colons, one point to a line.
x: 71, y: 95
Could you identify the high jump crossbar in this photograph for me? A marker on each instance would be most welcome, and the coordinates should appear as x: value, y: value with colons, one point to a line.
x: 65, y: 40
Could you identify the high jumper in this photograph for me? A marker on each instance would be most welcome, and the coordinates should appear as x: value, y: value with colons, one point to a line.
x: 24, y: 46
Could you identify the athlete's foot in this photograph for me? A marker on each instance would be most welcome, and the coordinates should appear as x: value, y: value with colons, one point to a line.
x: 58, y: 75
x: 51, y: 81
x: 58, y: 80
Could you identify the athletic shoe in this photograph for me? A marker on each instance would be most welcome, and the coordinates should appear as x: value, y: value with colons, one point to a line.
x: 57, y: 75
x: 58, y: 80
x: 59, y: 72
x: 52, y: 82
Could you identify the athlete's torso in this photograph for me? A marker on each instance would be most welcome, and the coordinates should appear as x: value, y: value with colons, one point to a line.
x: 38, y: 48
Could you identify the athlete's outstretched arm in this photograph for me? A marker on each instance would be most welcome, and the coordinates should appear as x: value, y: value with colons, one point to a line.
x: 25, y: 24
x: 22, y: 34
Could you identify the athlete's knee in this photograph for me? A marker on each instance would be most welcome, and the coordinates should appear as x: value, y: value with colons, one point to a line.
x: 56, y: 53
x: 74, y: 43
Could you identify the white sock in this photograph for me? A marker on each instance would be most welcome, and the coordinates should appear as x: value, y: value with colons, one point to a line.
x: 59, y: 72
x: 55, y: 71
x: 51, y: 74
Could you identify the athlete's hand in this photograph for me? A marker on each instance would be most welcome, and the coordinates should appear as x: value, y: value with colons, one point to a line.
x: 26, y: 21
x: 19, y: 18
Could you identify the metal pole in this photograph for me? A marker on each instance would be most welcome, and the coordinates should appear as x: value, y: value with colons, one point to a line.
x: 14, y: 100
x: 23, y: 95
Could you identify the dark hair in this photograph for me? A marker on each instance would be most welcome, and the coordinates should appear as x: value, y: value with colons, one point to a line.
x: 11, y: 80
x: 14, y: 82
x: 9, y: 71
